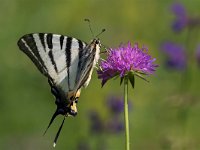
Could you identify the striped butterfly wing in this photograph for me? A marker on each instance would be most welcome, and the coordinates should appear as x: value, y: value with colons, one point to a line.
x: 58, y: 57
x: 67, y: 62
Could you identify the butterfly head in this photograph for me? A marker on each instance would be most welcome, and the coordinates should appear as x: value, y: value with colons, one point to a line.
x: 95, y: 42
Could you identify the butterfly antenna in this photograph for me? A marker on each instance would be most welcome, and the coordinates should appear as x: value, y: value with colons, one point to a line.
x: 58, y: 133
x: 51, y: 121
x: 103, y: 30
x: 88, y: 20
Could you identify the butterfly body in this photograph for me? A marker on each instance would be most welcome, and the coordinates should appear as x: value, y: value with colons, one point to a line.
x: 67, y: 62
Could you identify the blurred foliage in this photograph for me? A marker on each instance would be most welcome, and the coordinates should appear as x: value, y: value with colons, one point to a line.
x: 164, y: 116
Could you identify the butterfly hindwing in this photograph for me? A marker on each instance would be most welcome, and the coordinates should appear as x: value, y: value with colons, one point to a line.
x: 87, y: 63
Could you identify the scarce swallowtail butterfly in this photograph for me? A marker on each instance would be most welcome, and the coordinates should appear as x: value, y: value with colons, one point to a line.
x: 67, y: 62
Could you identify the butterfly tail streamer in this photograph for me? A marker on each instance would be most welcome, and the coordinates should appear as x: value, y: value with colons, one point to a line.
x: 51, y: 121
x: 58, y: 133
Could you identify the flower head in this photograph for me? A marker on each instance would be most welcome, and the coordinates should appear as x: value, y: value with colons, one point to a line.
x: 176, y: 57
x: 124, y: 59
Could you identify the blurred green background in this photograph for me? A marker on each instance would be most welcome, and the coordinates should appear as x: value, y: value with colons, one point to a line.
x: 163, y: 116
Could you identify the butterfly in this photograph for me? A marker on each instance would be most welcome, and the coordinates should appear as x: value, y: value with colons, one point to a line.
x: 67, y: 63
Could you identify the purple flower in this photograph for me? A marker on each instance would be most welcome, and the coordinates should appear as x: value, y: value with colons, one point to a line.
x: 115, y: 104
x: 125, y: 59
x: 198, y: 54
x: 179, y: 24
x: 176, y: 57
x: 181, y: 20
x: 96, y: 122
x: 178, y: 9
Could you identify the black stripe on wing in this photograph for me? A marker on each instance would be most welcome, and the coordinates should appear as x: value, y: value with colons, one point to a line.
x: 41, y: 36
x: 80, y: 44
x: 68, y: 51
x: 53, y: 61
x: 81, y: 55
x: 49, y: 41
x: 50, y: 46
x: 28, y: 45
x: 85, y: 78
x: 68, y: 57
x: 61, y: 41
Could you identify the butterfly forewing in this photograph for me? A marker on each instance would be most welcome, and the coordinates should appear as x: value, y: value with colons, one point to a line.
x: 56, y: 56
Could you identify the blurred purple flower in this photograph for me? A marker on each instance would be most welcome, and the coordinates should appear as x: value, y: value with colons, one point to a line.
x: 96, y: 122
x: 181, y: 20
x: 115, y: 125
x: 115, y: 104
x: 178, y: 9
x: 176, y: 57
x: 198, y: 54
x: 179, y: 24
x: 112, y: 125
x: 124, y: 59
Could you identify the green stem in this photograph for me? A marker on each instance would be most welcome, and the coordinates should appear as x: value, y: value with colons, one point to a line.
x: 126, y: 119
